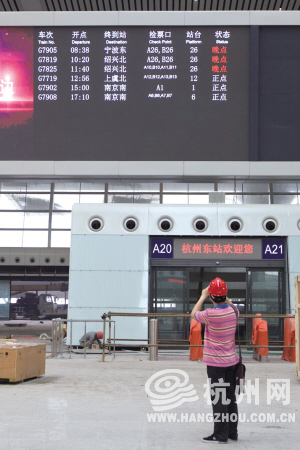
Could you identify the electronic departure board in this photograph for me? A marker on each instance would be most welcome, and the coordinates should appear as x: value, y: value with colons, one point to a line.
x: 124, y: 93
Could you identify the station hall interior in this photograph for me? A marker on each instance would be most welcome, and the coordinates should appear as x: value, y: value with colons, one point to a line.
x: 146, y: 148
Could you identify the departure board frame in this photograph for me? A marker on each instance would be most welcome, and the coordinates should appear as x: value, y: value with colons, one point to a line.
x: 258, y: 163
x: 124, y: 93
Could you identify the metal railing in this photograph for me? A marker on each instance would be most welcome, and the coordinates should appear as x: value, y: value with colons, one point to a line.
x: 111, y: 341
x: 57, y: 336
x: 109, y: 315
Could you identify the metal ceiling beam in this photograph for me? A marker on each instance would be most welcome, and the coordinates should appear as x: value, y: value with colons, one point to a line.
x: 148, y: 5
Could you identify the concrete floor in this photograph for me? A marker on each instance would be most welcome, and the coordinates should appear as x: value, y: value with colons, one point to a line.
x: 85, y: 403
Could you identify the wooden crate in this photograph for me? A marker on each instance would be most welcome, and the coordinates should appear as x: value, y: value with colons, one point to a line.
x: 19, y: 361
x: 297, y: 323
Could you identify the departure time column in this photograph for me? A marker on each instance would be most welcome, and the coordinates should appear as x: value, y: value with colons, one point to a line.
x: 80, y: 66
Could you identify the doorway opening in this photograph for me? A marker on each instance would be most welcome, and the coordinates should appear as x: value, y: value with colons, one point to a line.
x: 252, y: 290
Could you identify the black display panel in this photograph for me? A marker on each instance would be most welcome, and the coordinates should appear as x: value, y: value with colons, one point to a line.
x: 124, y: 93
x: 279, y: 94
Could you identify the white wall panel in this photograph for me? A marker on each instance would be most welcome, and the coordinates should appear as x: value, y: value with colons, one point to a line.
x: 150, y: 18
x: 109, y: 289
x: 294, y: 266
x: 15, y: 253
x: 252, y: 217
x: 294, y: 255
x: 27, y: 168
x: 109, y: 252
x: 228, y: 17
x: 109, y: 269
x: 148, y: 216
x: 293, y: 219
x: 40, y: 254
x: 219, y: 169
x: 153, y: 170
x: 274, y: 18
x: 4, y: 256
x: 87, y: 18
x: 113, y: 216
x: 183, y: 217
x: 61, y: 257
x: 279, y: 169
x: 30, y: 254
x: 109, y: 169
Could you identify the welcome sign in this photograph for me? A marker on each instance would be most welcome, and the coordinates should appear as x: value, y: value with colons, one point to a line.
x: 217, y: 248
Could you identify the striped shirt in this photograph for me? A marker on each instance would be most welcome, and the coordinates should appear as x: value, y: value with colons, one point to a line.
x: 219, y: 337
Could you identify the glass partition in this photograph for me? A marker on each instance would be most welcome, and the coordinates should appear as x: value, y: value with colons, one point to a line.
x: 265, y: 297
x: 170, y: 297
x: 251, y: 290
x: 4, y: 299
x: 235, y: 278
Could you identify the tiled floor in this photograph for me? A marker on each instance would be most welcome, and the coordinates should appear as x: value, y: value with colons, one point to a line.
x: 87, y: 404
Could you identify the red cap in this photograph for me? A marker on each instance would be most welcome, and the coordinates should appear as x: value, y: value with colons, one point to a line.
x: 217, y: 287
x: 99, y: 335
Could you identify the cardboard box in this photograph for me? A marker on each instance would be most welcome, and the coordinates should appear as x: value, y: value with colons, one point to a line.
x: 21, y: 361
x: 95, y: 346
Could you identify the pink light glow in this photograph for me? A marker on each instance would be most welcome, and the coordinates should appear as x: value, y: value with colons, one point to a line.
x: 6, y: 89
x: 16, y: 75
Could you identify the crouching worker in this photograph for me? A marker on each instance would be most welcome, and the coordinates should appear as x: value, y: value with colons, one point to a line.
x: 220, y: 356
x: 88, y: 339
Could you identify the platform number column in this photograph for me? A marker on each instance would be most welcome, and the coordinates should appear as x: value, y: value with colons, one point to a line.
x: 193, y: 39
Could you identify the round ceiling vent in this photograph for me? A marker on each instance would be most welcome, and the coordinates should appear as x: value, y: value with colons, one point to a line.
x: 165, y: 224
x: 96, y: 224
x: 270, y: 225
x: 200, y: 225
x: 131, y: 224
x: 235, y: 225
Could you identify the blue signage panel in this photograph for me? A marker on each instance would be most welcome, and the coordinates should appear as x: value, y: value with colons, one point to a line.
x: 162, y: 248
x: 272, y: 248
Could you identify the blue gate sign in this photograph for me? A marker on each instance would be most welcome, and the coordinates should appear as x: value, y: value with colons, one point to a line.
x: 162, y: 248
x: 273, y: 249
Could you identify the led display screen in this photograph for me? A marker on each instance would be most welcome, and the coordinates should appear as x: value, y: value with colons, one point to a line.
x: 131, y: 93
x: 279, y: 94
